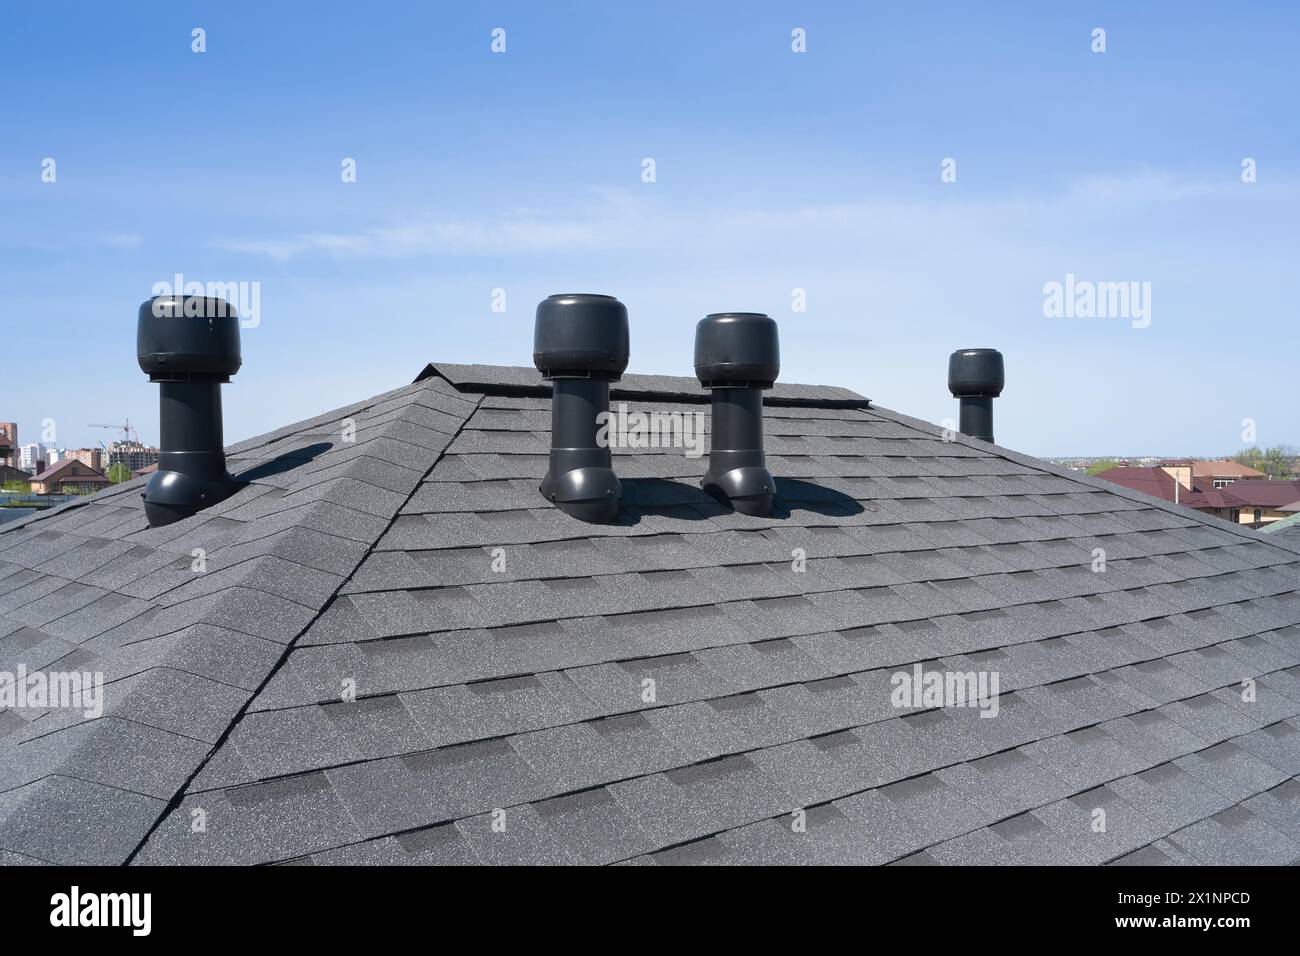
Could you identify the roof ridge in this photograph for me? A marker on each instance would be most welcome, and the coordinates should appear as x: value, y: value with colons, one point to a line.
x: 526, y: 382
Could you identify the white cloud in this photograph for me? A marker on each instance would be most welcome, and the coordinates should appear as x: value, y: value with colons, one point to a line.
x: 121, y: 240
x: 501, y: 235
x: 892, y: 285
x: 683, y: 231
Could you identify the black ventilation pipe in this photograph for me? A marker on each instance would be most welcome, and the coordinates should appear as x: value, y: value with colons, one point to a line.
x: 976, y: 377
x: 189, y: 345
x: 737, y: 355
x: 580, y: 344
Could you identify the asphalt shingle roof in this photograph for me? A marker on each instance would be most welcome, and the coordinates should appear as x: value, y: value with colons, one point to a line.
x: 399, y: 653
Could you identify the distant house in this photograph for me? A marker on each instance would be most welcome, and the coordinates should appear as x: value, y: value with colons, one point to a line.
x: 1218, y: 473
x: 92, y: 457
x: 8, y: 474
x: 69, y: 477
x: 1155, y: 481
x: 1248, y: 501
x: 1241, y: 500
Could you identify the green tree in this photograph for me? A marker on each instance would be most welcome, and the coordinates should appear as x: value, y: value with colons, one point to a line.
x: 17, y: 487
x: 118, y: 473
x: 1274, y: 462
x: 1105, y: 464
x: 1250, y: 457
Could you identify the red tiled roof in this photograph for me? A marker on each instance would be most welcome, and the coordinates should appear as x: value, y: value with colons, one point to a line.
x: 1242, y: 493
x: 1216, y: 468
x: 1153, y: 481
x: 1208, y: 498
x: 52, y: 473
x: 1260, y: 493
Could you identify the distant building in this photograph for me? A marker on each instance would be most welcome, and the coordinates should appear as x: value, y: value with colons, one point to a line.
x: 69, y: 477
x: 9, y: 444
x: 132, y: 454
x: 1249, y: 501
x: 29, y: 456
x: 1157, y: 482
x: 1219, y: 472
x: 91, y: 457
x: 1241, y: 500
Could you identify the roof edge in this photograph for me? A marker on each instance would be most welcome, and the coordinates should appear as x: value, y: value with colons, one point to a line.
x: 1097, y: 484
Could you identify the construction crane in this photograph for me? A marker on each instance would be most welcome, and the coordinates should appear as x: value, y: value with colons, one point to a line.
x: 126, y: 428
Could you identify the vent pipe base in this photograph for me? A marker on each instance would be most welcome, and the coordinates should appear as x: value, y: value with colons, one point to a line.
x: 588, y: 494
x: 171, y: 496
x: 580, y: 480
x: 738, y: 472
x: 750, y: 490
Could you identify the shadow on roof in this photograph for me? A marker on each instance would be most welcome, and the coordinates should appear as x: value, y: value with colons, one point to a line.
x: 687, y: 500
x: 282, y: 463
x: 793, y: 495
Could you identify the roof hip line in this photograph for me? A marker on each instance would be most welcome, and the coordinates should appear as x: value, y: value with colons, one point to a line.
x: 177, y: 797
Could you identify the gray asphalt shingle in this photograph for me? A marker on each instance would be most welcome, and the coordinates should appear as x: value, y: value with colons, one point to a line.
x: 403, y: 655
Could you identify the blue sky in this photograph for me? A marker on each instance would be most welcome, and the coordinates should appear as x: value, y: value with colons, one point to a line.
x: 774, y: 171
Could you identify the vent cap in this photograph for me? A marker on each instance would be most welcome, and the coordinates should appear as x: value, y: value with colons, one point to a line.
x: 581, y: 335
x: 179, y: 338
x: 737, y: 349
x: 976, y: 373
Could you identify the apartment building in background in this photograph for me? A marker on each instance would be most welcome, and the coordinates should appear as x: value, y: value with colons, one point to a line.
x: 31, y: 458
x: 133, y: 454
x: 34, y: 457
x: 9, y: 444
